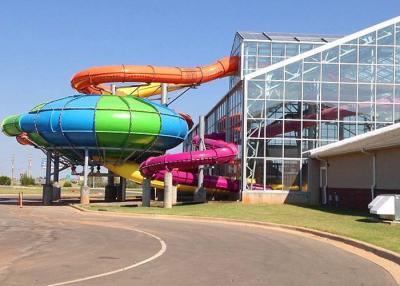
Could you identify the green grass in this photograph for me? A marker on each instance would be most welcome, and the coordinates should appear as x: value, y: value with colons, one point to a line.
x: 347, y: 223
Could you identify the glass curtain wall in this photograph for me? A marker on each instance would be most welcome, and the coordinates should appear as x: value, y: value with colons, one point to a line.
x: 334, y: 93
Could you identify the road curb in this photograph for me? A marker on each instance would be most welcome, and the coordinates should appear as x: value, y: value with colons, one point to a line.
x: 381, y: 252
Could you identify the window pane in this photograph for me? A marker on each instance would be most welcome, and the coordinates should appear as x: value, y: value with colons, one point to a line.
x: 369, y: 39
x: 250, y: 62
x: 331, y: 55
x: 293, y: 71
x: 348, y: 92
x: 348, y: 54
x: 366, y: 112
x: 305, y: 47
x: 291, y: 179
x: 293, y: 90
x: 398, y: 34
x: 347, y: 130
x: 347, y: 112
x: 273, y: 148
x: 366, y: 93
x: 384, y: 74
x: 384, y: 93
x: 366, y: 73
x: 264, y: 49
x: 292, y: 50
x: 250, y: 48
x: 292, y: 148
x: 397, y: 61
x: 275, y: 74
x: 385, y: 55
x: 385, y: 36
x: 274, y: 129
x: 256, y: 109
x: 329, y: 92
x: 311, y: 72
x: 397, y: 73
x: 367, y: 55
x: 310, y: 111
x: 274, y: 90
x: 330, y: 72
x: 263, y: 62
x: 273, y: 174
x: 278, y: 50
x: 274, y: 109
x: 384, y: 112
x: 329, y: 131
x: 329, y: 111
x: 348, y: 73
x: 256, y: 89
x: 310, y: 91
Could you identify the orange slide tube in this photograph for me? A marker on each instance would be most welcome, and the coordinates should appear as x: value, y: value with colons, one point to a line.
x: 87, y: 81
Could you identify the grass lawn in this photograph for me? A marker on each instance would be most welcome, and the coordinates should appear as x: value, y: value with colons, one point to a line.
x: 347, y: 223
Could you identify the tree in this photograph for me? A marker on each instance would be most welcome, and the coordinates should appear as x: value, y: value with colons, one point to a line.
x: 4, y: 180
x: 27, y: 180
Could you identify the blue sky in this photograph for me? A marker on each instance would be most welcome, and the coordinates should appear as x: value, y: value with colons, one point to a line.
x: 43, y: 43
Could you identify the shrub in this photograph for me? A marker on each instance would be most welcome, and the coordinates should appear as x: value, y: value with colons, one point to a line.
x: 67, y: 184
x: 26, y: 180
x: 4, y: 180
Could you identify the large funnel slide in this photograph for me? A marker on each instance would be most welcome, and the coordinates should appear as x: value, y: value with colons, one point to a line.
x: 219, y: 152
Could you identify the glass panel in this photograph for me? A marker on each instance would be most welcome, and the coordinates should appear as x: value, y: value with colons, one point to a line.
x: 256, y: 175
x: 250, y: 62
x: 398, y: 34
x: 305, y: 47
x: 292, y: 148
x: 264, y: 49
x: 384, y: 112
x: 273, y: 176
x: 293, y: 90
x: 293, y: 72
x: 348, y: 73
x: 397, y: 94
x: 311, y: 72
x: 308, y: 145
x: 366, y: 92
x: 274, y: 128
x: 348, y: 92
x: 329, y: 92
x: 385, y: 55
x: 292, y: 174
x: 367, y: 55
x: 310, y: 130
x: 329, y: 131
x: 311, y: 91
x: 348, y: 54
x: 384, y: 73
x: 366, y: 73
x: 385, y: 36
x: 256, y: 89
x: 256, y: 109
x: 329, y: 111
x: 366, y: 112
x: 397, y: 56
x: 310, y: 110
x: 274, y: 90
x: 255, y: 127
x: 364, y: 128
x: 278, y: 50
x: 331, y: 55
x: 347, y: 130
x: 273, y: 148
x: 274, y: 109
x: 276, y: 74
x: 292, y: 50
x: 397, y: 73
x: 263, y: 62
x: 397, y: 113
x: 369, y: 39
x: 250, y: 48
x: 330, y: 72
x: 313, y: 59
x: 347, y: 112
x: 255, y: 148
x: 384, y: 93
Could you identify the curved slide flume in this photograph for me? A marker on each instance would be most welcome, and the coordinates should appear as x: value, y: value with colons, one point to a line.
x: 219, y: 152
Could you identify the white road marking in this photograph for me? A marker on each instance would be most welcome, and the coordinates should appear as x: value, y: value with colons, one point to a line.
x: 162, y: 250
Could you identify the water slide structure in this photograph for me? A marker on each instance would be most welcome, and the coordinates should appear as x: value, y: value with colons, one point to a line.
x: 124, y: 129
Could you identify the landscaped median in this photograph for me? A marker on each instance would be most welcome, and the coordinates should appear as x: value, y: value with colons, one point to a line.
x: 352, y: 224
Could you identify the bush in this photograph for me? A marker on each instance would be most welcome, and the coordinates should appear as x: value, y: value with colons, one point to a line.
x: 67, y: 184
x: 26, y: 180
x: 4, y: 180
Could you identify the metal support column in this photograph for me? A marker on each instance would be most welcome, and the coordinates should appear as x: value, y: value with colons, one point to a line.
x: 47, y: 197
x: 168, y: 190
x: 56, y: 178
x: 121, y: 191
x: 200, y: 194
x: 85, y: 190
x: 146, y: 192
x: 164, y: 93
x: 174, y: 195
x: 110, y: 192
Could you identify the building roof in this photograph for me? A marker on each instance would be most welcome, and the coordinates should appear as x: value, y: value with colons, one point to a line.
x: 385, y: 137
x: 288, y: 37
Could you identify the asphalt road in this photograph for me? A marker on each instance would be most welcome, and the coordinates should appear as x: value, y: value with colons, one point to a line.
x: 52, y: 245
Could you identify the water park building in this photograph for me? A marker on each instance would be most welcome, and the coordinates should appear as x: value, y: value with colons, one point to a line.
x: 297, y: 93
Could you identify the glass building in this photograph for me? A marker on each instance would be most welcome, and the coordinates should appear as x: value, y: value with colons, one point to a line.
x: 298, y: 92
